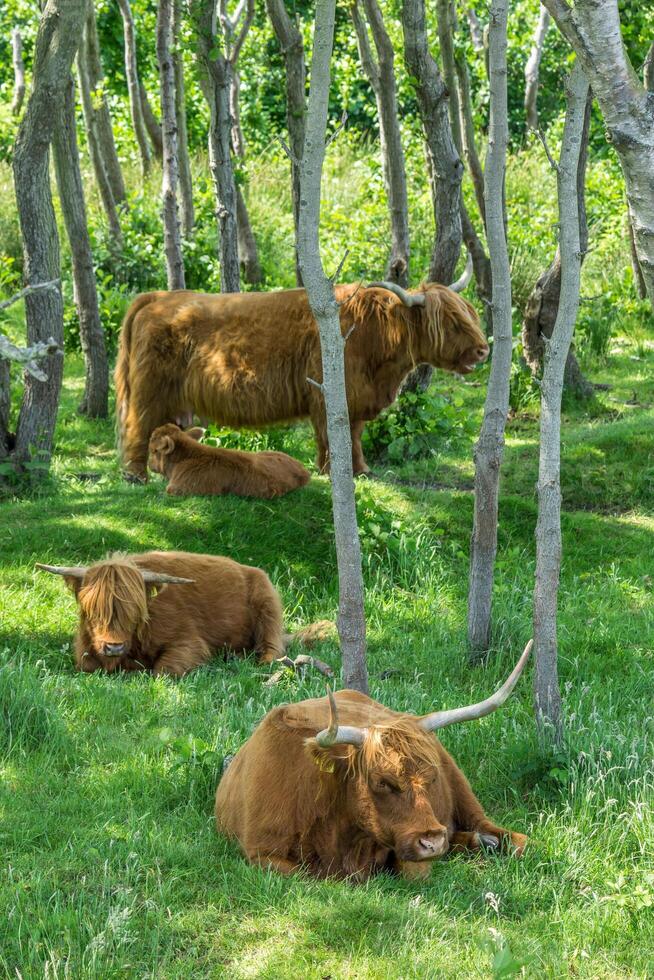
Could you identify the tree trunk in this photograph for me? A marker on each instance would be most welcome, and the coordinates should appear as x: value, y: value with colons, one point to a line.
x: 593, y: 29
x: 543, y: 304
x: 5, y: 408
x: 532, y: 69
x: 152, y: 124
x: 171, y: 224
x: 103, y: 129
x: 381, y: 75
x: 476, y: 32
x: 639, y: 282
x: 215, y: 76
x: 248, y: 252
x: 292, y: 47
x: 97, y: 156
x: 468, y: 135
x: 58, y: 35
x: 19, y: 71
x: 548, y: 529
x: 490, y: 447
x: 133, y: 87
x: 320, y: 290
x: 184, y: 161
x: 71, y: 193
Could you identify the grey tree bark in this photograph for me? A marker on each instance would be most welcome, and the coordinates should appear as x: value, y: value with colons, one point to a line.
x: 532, y: 68
x: 98, y: 160
x: 5, y: 408
x: 187, y: 211
x: 548, y: 529
x: 171, y: 222
x: 19, y: 71
x: 543, y: 304
x: 215, y: 77
x: 639, y: 281
x: 476, y: 32
x: 381, y: 75
x: 593, y: 29
x: 320, y: 290
x: 102, y: 125
x: 71, y: 193
x: 292, y: 47
x: 490, y: 447
x: 152, y: 124
x: 57, y: 39
x: 133, y: 87
x: 236, y: 29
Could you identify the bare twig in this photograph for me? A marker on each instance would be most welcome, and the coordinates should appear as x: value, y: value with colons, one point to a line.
x: 288, y: 151
x: 26, y: 292
x: 28, y: 356
x: 300, y: 662
x: 339, y: 269
x: 541, y: 136
x: 316, y: 384
x: 350, y: 331
x: 341, y: 125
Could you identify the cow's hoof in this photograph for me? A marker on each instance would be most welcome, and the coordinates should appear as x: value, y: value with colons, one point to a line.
x: 488, y: 842
x: 134, y: 478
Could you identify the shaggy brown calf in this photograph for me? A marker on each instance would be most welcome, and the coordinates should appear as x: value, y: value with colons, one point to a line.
x: 169, y: 612
x: 192, y: 468
x: 243, y: 359
x: 343, y: 786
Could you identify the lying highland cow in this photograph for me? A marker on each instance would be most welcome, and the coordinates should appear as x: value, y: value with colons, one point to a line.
x: 192, y: 468
x: 342, y: 786
x: 169, y: 612
x: 243, y: 359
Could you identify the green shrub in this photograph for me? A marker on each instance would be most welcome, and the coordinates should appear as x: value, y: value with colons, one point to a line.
x: 418, y: 424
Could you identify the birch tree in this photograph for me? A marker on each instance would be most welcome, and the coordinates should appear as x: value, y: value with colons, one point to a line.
x: 381, y: 75
x: 215, y: 77
x: 292, y: 48
x: 171, y: 223
x: 19, y: 71
x: 532, y: 68
x: 548, y: 529
x: 152, y: 124
x: 133, y: 87
x: 73, y: 206
x: 320, y: 290
x: 58, y: 35
x: 490, y: 446
x: 187, y: 210
x: 593, y: 29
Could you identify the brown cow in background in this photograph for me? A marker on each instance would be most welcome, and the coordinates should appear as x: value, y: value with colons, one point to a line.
x: 170, y: 611
x: 243, y: 359
x: 343, y: 786
x: 192, y: 468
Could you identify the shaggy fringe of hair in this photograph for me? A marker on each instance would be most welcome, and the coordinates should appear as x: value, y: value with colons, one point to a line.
x: 381, y: 748
x: 114, y: 596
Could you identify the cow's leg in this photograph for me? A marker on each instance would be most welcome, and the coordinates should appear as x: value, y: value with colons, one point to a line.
x: 180, y: 659
x: 135, y: 432
x: 359, y: 465
x: 268, y: 619
x: 320, y: 430
x: 471, y: 819
x: 488, y: 838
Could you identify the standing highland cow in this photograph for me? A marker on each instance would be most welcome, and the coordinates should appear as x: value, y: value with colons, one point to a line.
x: 243, y: 359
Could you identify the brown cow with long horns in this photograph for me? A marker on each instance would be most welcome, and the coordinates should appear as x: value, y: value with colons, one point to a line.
x: 243, y: 359
x: 342, y: 786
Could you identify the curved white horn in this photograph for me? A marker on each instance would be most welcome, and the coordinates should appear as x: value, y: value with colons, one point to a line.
x: 439, y: 719
x: 337, y: 734
x: 151, y: 578
x: 408, y: 299
x: 78, y: 571
x: 460, y: 284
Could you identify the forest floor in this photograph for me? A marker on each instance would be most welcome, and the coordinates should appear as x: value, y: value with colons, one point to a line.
x: 111, y: 863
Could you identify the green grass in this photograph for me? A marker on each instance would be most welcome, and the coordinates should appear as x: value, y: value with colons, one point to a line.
x: 111, y: 863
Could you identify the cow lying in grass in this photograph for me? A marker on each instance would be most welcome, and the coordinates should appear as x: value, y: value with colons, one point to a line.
x: 192, y: 468
x: 169, y: 612
x: 342, y: 786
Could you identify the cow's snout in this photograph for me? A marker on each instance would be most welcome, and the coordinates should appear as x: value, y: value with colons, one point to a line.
x: 482, y: 353
x: 425, y: 846
x: 113, y: 649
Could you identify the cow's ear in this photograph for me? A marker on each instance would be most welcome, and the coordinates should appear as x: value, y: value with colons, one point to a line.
x: 166, y: 445
x: 331, y: 759
x: 154, y: 588
x: 195, y: 433
x: 74, y: 584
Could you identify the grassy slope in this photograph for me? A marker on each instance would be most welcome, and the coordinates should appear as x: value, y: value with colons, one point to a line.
x: 111, y: 863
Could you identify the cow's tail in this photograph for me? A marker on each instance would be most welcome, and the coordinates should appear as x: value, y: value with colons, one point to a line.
x: 309, y: 635
x: 122, y: 371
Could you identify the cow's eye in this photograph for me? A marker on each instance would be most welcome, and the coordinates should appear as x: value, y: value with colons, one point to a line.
x: 387, y: 787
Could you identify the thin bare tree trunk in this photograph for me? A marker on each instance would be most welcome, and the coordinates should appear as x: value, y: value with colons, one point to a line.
x: 639, y: 281
x: 490, y: 447
x: 185, y: 177
x: 102, y: 126
x: 476, y: 32
x: 19, y: 71
x: 5, y: 408
x: 71, y: 193
x: 532, y: 68
x: 60, y: 28
x: 320, y: 290
x: 216, y: 73
x: 133, y: 87
x: 152, y: 124
x: 97, y: 157
x: 171, y: 224
x: 381, y: 75
x: 468, y: 135
x: 593, y: 29
x: 548, y: 529
x: 292, y: 47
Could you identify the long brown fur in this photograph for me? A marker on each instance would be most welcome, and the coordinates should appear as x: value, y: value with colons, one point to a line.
x: 192, y: 468
x: 243, y: 359
x: 344, y: 811
x: 172, y: 629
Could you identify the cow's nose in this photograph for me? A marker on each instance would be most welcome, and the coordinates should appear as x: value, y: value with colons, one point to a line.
x: 432, y: 843
x: 113, y: 649
x: 482, y: 353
